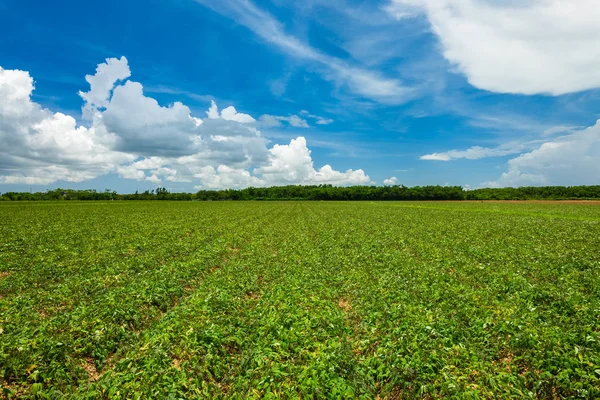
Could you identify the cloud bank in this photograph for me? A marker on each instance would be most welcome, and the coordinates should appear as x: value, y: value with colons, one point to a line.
x: 130, y: 134
x: 572, y: 157
x: 568, y: 158
x: 476, y: 152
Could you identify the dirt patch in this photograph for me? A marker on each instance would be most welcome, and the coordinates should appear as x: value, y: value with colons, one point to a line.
x: 90, y: 367
x: 593, y: 202
x: 396, y: 394
x: 176, y: 363
x: 16, y: 391
x: 505, y: 361
x: 4, y: 274
x: 345, y: 305
x: 253, y: 295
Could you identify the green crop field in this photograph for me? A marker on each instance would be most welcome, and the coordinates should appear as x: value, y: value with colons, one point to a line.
x: 299, y: 299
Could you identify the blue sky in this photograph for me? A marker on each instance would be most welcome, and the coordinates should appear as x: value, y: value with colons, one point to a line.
x: 416, y: 92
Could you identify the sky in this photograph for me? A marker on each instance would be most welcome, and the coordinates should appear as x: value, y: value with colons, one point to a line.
x: 212, y: 94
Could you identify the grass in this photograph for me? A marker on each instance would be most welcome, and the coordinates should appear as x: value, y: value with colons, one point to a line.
x: 299, y: 300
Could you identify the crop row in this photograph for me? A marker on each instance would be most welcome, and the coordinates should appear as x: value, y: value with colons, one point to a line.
x: 296, y: 299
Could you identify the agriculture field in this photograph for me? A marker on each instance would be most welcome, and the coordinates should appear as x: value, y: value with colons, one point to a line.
x: 299, y: 299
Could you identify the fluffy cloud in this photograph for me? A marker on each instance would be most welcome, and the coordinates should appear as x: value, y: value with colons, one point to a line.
x: 390, y: 181
x: 40, y: 147
x: 228, y: 114
x: 293, y: 164
x: 132, y: 135
x: 566, y: 160
x: 146, y: 128
x: 285, y: 164
x: 102, y: 83
x: 532, y: 47
x: 225, y: 177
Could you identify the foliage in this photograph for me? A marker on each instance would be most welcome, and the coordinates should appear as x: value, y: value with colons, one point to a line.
x: 299, y: 299
x: 327, y: 192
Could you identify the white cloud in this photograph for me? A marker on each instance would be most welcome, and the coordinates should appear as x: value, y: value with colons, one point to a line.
x: 16, y: 88
x: 213, y: 111
x: 225, y: 177
x: 293, y: 164
x: 297, y: 122
x: 145, y: 127
x: 532, y: 47
x: 560, y: 129
x: 154, y: 179
x: 267, y: 120
x: 102, y: 83
x: 131, y: 172
x: 40, y: 147
x: 476, y: 152
x: 134, y: 136
x: 437, y: 156
x: 324, y: 121
x: 572, y: 159
x: 362, y: 81
x: 318, y: 119
x: 228, y: 114
x: 390, y: 181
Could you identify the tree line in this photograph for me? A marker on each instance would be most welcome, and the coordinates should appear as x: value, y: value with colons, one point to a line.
x: 324, y: 192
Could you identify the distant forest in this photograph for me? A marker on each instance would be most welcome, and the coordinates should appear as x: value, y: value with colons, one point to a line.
x: 325, y: 192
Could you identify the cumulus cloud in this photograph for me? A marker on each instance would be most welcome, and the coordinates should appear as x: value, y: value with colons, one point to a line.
x: 132, y: 135
x: 566, y: 160
x: 146, y: 128
x: 131, y: 172
x: 390, y: 181
x: 40, y: 147
x: 225, y: 177
x: 102, y: 83
x: 228, y: 114
x: 532, y: 47
x: 293, y: 164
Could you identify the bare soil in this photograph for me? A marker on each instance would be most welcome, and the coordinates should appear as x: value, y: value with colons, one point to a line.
x: 592, y: 202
